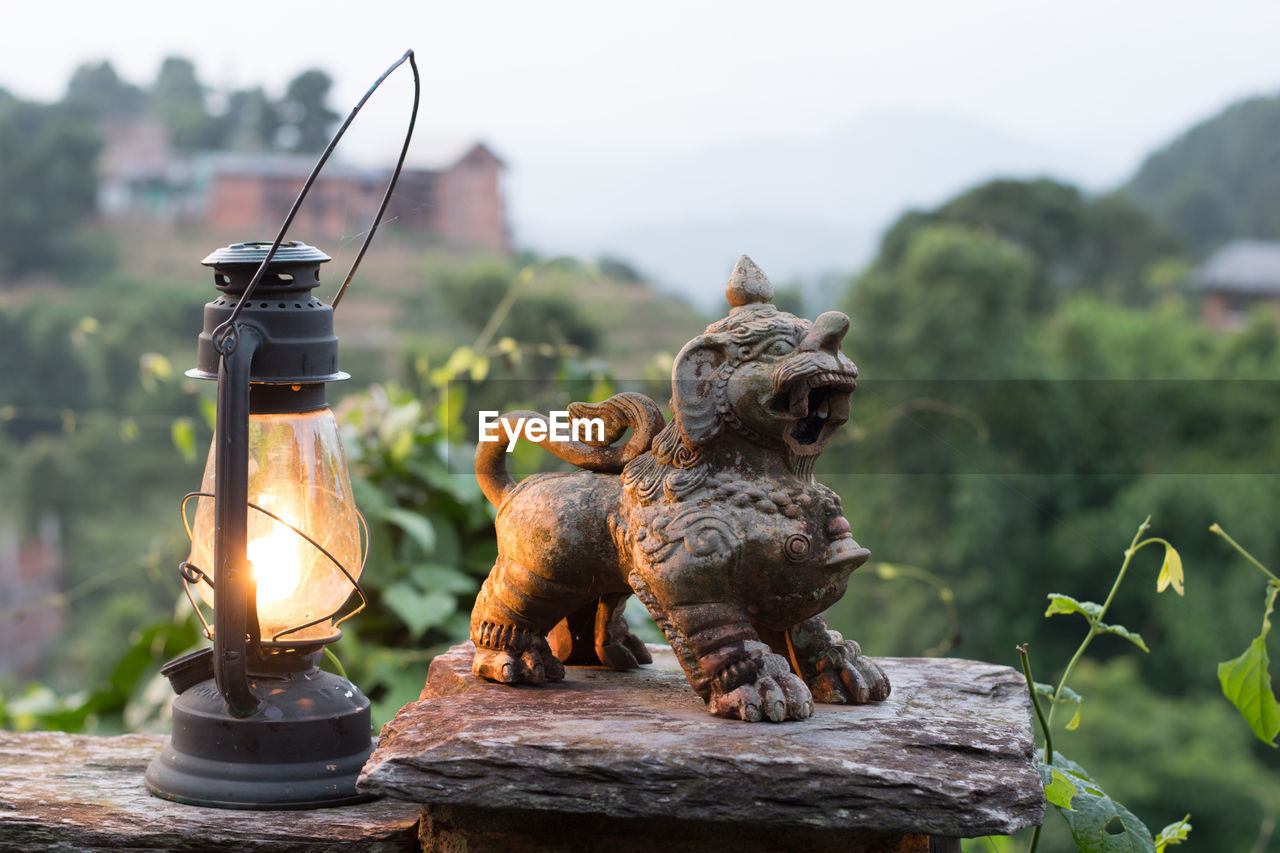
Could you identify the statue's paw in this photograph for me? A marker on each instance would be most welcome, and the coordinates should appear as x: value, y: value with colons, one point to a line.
x: 636, y: 646
x: 628, y: 652
x: 776, y: 694
x: 534, y: 666
x: 848, y: 677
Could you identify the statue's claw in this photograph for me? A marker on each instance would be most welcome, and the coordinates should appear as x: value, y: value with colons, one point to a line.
x: 629, y: 653
x: 534, y: 666
x: 776, y: 694
x: 848, y: 677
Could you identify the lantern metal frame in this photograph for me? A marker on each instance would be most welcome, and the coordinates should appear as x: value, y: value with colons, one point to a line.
x: 256, y: 723
x: 193, y: 575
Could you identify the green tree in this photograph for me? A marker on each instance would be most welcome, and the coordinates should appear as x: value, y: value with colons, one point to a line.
x: 177, y: 98
x: 951, y: 306
x: 97, y: 88
x: 1218, y: 180
x: 48, y: 184
x: 1103, y: 245
x: 252, y: 120
x: 308, y: 119
x: 541, y: 315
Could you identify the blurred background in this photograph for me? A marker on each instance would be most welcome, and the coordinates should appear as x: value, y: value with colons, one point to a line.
x: 1056, y: 231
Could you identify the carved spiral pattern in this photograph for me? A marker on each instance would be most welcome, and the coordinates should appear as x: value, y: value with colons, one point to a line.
x: 796, y: 547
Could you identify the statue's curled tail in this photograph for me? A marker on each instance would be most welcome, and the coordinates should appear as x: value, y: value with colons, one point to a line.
x: 594, y: 452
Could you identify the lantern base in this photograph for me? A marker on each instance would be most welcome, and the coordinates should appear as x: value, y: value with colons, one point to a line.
x: 303, y: 748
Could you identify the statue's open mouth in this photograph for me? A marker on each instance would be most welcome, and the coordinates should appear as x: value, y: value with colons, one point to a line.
x: 817, y: 403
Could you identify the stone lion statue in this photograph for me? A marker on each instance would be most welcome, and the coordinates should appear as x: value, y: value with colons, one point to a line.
x: 714, y: 520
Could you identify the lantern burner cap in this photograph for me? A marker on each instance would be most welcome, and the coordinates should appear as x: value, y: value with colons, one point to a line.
x: 253, y: 252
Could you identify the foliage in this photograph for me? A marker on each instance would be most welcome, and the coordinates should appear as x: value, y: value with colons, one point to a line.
x: 1246, y: 680
x: 177, y: 99
x: 84, y: 438
x: 300, y: 120
x: 618, y: 269
x: 121, y: 698
x: 546, y: 315
x: 1217, y: 180
x: 1010, y: 488
x: 95, y: 87
x: 962, y: 290
x: 1133, y: 724
x: 252, y: 120
x: 430, y: 537
x: 308, y: 120
x: 1097, y: 822
x: 48, y: 184
x: 1104, y: 246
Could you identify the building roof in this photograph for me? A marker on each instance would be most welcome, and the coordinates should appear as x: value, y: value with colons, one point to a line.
x: 271, y: 165
x: 438, y: 152
x: 425, y: 158
x: 1243, y: 266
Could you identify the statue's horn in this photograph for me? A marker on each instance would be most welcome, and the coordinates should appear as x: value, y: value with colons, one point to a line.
x: 748, y: 284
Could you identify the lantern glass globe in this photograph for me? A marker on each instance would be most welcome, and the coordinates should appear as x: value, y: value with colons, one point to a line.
x: 297, y: 472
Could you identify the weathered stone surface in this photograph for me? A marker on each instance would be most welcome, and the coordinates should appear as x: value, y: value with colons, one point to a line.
x: 949, y: 753
x: 80, y: 793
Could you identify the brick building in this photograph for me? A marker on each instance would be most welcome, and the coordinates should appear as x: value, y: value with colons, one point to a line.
x: 450, y: 194
x: 458, y: 203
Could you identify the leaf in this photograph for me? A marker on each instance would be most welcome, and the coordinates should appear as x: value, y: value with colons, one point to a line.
x: 1060, y: 790
x: 1170, y: 572
x: 1059, y: 603
x: 419, y: 611
x: 1246, y: 681
x: 1098, y: 823
x: 1174, y: 833
x: 209, y: 411
x: 338, y: 668
x: 1121, y: 631
x: 1068, y: 695
x: 184, y: 438
x: 432, y: 576
x: 887, y: 571
x: 417, y: 527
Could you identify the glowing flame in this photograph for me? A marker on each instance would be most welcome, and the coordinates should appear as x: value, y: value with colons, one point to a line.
x: 275, y: 566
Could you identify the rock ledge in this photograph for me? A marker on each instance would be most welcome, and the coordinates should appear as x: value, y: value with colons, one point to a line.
x: 950, y: 753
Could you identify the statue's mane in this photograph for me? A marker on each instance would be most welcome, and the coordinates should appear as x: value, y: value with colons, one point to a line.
x: 672, y: 467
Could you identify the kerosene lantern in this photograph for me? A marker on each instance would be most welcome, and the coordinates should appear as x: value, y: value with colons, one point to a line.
x: 275, y: 551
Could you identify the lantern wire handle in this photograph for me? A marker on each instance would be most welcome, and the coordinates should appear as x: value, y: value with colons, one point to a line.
x: 224, y: 337
x: 193, y: 574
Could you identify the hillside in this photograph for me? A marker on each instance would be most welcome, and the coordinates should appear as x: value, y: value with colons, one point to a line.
x: 395, y: 303
x: 1219, y: 180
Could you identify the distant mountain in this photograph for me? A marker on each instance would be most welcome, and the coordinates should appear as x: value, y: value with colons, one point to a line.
x: 1220, y: 180
x: 800, y: 207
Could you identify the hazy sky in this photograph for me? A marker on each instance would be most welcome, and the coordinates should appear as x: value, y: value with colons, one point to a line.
x: 668, y: 75
x: 563, y: 89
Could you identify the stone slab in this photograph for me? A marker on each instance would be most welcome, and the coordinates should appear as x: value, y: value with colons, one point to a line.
x: 83, y: 793
x: 950, y: 753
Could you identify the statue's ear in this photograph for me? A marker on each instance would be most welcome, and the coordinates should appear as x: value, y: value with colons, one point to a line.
x: 692, y: 394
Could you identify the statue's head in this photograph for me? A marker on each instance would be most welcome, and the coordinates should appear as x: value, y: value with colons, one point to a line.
x: 773, y: 378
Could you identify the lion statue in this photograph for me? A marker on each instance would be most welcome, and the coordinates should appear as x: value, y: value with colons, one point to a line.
x: 713, y: 520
